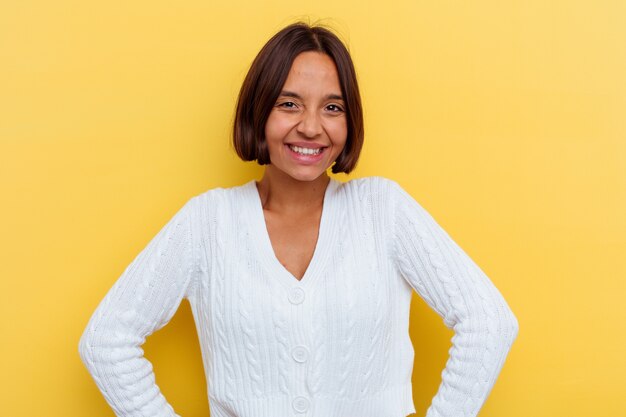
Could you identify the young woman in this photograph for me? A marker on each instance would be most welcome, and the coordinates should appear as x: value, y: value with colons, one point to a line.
x: 300, y: 285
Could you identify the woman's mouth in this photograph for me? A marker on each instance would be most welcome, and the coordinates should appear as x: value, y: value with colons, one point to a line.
x: 305, y: 155
x: 305, y: 151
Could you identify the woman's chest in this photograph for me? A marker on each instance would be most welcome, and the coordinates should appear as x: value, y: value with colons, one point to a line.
x: 293, y: 240
x: 347, y: 285
x: 348, y: 290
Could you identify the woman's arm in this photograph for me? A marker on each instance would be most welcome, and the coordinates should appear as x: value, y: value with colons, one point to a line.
x: 459, y: 291
x: 142, y: 300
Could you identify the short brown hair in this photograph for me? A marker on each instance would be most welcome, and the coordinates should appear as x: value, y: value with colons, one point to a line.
x: 268, y: 74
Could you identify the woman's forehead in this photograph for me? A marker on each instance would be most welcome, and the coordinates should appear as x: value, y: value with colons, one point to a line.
x: 312, y: 70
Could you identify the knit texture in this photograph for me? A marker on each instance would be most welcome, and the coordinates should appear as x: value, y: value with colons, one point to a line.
x: 333, y: 344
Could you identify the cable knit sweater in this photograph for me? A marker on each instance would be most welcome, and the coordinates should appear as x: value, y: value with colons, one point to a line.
x: 334, y: 344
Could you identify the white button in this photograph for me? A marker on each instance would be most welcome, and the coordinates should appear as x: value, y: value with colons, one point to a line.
x: 300, y: 404
x: 296, y: 295
x: 300, y: 353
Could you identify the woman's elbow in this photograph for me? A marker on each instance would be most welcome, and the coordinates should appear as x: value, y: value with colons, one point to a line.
x: 90, y: 347
x: 85, y: 350
x: 509, y: 326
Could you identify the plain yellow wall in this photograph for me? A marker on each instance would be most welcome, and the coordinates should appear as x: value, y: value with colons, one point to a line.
x: 506, y: 120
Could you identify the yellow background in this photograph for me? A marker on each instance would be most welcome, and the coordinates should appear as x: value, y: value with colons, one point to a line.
x: 506, y: 120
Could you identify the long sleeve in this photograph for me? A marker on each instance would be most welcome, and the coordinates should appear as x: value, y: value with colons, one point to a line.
x: 453, y: 285
x: 142, y: 300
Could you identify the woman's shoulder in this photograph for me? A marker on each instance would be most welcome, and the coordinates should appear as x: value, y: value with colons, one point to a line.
x: 226, y: 190
x: 374, y: 184
x: 223, y: 195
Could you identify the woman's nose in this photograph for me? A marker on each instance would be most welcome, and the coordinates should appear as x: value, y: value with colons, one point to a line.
x: 310, y: 125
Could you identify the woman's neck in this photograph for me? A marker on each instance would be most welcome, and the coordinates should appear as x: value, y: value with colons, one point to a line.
x: 282, y: 193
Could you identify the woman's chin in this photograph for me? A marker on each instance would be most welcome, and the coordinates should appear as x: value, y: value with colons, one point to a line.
x: 301, y: 173
x: 306, y: 176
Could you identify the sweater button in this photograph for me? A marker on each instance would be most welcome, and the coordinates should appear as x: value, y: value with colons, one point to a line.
x: 300, y: 353
x: 296, y: 295
x: 300, y: 404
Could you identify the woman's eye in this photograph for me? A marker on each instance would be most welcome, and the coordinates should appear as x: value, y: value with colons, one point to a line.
x: 288, y: 105
x: 334, y: 108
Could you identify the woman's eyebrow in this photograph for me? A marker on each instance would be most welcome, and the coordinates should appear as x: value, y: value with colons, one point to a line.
x: 286, y: 93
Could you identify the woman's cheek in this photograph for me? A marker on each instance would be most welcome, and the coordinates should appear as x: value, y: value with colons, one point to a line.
x: 339, y: 131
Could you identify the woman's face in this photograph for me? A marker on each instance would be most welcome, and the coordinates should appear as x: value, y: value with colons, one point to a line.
x: 307, y: 127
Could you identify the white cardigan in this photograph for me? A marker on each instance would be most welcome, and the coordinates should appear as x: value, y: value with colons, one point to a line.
x: 336, y: 343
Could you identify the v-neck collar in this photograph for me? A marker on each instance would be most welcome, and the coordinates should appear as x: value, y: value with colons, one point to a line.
x: 325, y: 239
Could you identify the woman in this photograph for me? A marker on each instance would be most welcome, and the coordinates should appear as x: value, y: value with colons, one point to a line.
x: 300, y: 285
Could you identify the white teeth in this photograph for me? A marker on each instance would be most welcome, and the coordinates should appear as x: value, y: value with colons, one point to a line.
x: 305, y: 151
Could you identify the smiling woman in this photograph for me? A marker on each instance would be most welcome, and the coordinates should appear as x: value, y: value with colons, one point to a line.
x: 307, y: 130
x: 315, y: 61
x: 300, y: 284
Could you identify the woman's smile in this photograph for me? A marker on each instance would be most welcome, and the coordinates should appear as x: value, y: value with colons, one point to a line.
x: 306, y: 155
